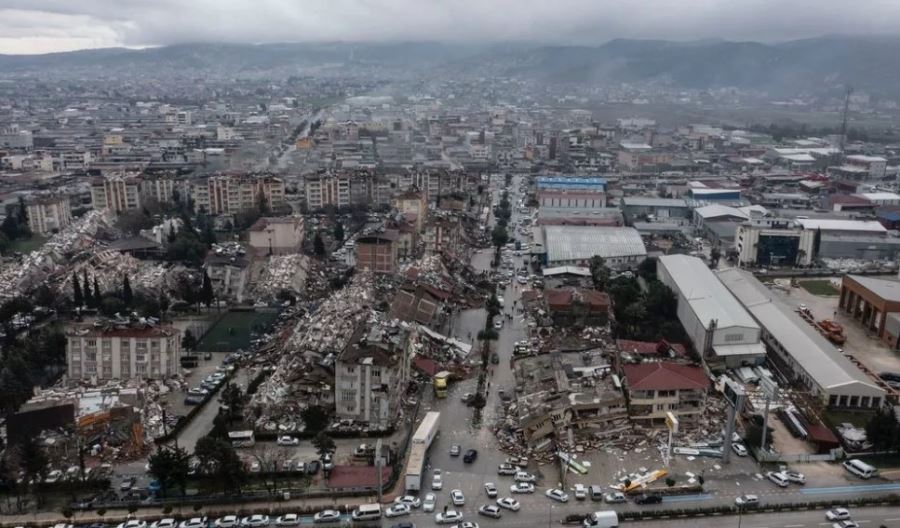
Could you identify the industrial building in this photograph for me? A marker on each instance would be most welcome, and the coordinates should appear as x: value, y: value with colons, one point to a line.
x: 875, y: 303
x: 721, y: 330
x: 635, y: 208
x: 621, y: 247
x: 774, y: 242
x: 799, y: 351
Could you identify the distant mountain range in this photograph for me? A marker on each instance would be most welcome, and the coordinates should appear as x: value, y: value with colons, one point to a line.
x: 818, y: 65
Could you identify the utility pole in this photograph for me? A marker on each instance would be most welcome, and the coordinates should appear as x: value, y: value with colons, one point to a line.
x: 379, y: 463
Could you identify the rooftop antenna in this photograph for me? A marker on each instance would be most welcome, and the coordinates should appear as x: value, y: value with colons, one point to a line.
x: 844, y: 116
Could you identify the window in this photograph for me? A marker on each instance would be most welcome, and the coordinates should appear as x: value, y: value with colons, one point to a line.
x: 348, y: 396
x: 733, y: 338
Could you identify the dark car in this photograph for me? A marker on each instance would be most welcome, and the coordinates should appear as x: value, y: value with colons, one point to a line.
x: 596, y: 493
x: 647, y: 498
x: 312, y: 468
x: 470, y: 456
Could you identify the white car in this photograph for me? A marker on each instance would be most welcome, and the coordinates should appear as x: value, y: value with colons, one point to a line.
x: 397, y: 510
x: 288, y: 440
x: 288, y: 519
x: 557, y: 494
x: 491, y: 489
x: 255, y: 466
x: 133, y: 523
x: 489, y: 510
x: 164, y: 523
x: 845, y: 524
x: 507, y: 469
x: 447, y: 517
x: 523, y: 476
x: 255, y: 521
x: 53, y: 476
x: 745, y: 501
x: 508, y: 503
x: 325, y: 516
x: 429, y: 503
x: 467, y: 524
x: 522, y: 487
x: 411, y: 500
x: 437, y: 482
x: 458, y: 498
x: 194, y: 522
x: 229, y: 521
x: 739, y: 449
x: 837, y: 514
x: 795, y: 476
x: 580, y: 492
x: 615, y: 497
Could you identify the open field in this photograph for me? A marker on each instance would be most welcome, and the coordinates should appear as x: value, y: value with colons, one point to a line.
x: 823, y: 288
x: 233, y: 331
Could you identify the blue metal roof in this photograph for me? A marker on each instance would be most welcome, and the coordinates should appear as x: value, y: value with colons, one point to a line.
x: 571, y: 182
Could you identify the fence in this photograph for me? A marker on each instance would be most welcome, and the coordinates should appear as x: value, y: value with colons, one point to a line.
x: 831, y: 456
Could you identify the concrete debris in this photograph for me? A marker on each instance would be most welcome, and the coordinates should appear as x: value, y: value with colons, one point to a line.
x: 52, y: 259
x: 286, y: 272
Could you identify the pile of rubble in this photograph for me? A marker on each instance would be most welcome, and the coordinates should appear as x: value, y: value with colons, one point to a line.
x: 849, y: 265
x: 52, y: 258
x: 287, y: 272
x: 110, y: 268
x: 313, y: 344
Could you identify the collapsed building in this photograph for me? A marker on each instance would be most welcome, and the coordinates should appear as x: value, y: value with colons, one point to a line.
x: 573, y: 390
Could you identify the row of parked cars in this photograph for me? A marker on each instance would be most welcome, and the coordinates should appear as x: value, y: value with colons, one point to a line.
x: 196, y: 395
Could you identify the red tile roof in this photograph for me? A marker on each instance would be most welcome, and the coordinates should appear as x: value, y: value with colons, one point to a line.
x: 665, y: 376
x: 562, y: 297
x: 426, y: 365
x: 649, y: 348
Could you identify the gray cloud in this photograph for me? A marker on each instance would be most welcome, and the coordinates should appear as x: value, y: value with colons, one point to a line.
x: 32, y: 26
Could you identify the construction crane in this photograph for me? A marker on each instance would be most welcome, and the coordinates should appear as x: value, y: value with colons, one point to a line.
x: 844, y: 116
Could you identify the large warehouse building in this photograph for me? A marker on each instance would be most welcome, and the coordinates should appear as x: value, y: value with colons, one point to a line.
x: 720, y: 328
x: 875, y: 303
x: 799, y: 351
x: 621, y: 247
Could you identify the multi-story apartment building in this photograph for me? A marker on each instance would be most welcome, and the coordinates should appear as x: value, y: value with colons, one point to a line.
x: 656, y: 388
x: 117, y: 193
x: 371, y: 374
x: 377, y: 251
x: 277, y: 236
x: 231, y: 193
x: 326, y: 189
x: 412, y: 203
x: 47, y: 214
x: 108, y: 352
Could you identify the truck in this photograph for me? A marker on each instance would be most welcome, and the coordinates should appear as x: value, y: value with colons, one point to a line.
x: 418, y: 451
x: 602, y: 519
x: 440, y: 384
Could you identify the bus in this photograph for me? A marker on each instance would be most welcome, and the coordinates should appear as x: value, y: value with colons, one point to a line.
x: 241, y: 439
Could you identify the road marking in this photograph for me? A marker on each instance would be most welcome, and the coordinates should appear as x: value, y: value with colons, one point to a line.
x: 851, y: 489
x: 894, y: 519
x: 686, y: 498
x: 794, y: 525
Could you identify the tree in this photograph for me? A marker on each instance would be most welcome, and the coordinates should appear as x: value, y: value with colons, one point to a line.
x: 714, y: 255
x: 96, y: 296
x: 170, y: 467
x: 188, y: 341
x: 110, y: 305
x: 33, y: 462
x: 499, y: 237
x: 232, y: 402
x: 315, y: 417
x: 883, y: 430
x: 647, y: 269
x: 206, y: 290
x: 318, y: 245
x: 219, y: 460
x: 88, y: 296
x: 323, y: 443
x: 127, y: 295
x: 338, y: 231
x: 599, y: 273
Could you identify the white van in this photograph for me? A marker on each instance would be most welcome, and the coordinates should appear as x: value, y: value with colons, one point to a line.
x: 860, y: 468
x: 780, y: 479
x: 602, y: 519
x: 367, y: 512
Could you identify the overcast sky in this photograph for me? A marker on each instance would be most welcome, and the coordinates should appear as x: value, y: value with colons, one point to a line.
x: 40, y: 26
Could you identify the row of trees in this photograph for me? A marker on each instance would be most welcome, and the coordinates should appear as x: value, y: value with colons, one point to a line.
x: 37, y: 360
x: 645, y: 315
x: 500, y: 235
x: 15, y: 225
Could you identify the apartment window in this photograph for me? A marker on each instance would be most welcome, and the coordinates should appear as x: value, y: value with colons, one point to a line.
x: 91, y: 342
x: 107, y: 372
x: 76, y: 346
x: 91, y: 356
x: 733, y: 338
x: 106, y: 344
x: 348, y: 396
x: 140, y: 369
x: 351, y: 369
